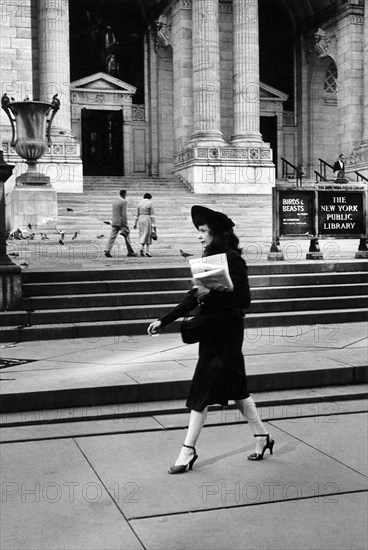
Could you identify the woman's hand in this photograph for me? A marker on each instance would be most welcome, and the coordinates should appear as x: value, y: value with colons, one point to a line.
x: 154, y: 327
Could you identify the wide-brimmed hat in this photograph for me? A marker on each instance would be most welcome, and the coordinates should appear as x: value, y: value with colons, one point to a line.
x: 218, y: 220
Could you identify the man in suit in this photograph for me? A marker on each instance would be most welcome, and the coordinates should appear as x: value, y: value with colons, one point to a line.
x: 119, y: 223
x: 339, y: 170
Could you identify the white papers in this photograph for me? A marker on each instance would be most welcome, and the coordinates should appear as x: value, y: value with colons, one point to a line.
x: 212, y: 272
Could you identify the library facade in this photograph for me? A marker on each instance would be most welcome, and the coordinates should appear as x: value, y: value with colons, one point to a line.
x: 222, y: 93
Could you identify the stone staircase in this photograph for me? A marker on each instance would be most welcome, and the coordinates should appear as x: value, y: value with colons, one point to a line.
x: 79, y: 304
x: 171, y: 201
x: 72, y: 290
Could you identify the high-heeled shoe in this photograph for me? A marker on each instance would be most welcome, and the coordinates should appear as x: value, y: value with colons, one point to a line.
x: 268, y: 445
x: 148, y: 255
x: 181, y: 468
x: 141, y: 253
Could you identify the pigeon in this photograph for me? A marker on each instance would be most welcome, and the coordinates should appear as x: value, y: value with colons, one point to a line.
x: 15, y: 254
x: 44, y: 237
x: 185, y: 254
x: 29, y: 226
x: 69, y: 210
x: 107, y: 223
x: 100, y: 236
x: 75, y: 235
x: 18, y: 234
x: 24, y: 264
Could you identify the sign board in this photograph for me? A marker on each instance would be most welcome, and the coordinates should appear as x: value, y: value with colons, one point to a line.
x: 340, y: 214
x: 296, y: 213
x: 303, y: 213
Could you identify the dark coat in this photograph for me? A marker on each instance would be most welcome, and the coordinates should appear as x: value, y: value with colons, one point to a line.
x: 220, y: 372
x: 337, y: 166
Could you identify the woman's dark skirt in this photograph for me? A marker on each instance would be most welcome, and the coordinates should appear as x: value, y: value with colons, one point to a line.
x: 220, y: 371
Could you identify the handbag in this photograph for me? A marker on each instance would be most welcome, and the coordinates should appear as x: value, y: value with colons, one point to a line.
x: 193, y: 328
x: 154, y: 234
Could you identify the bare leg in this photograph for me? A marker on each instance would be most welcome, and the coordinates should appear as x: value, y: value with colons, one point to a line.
x: 196, y: 421
x: 249, y: 410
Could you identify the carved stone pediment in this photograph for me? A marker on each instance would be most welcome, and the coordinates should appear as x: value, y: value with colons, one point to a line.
x: 269, y: 93
x: 102, y: 82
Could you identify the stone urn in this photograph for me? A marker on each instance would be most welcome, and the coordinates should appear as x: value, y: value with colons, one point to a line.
x: 31, y: 129
x: 32, y: 201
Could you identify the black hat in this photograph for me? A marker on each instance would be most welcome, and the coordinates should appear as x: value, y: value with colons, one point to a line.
x: 220, y: 222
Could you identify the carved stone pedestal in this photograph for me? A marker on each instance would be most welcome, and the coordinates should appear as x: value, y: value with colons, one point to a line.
x: 31, y: 204
x: 10, y: 273
x: 245, y: 170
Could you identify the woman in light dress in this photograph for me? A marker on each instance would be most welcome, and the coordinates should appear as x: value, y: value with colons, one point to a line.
x: 146, y: 221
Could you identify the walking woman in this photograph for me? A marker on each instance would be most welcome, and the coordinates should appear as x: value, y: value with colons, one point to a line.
x: 146, y: 222
x: 220, y: 372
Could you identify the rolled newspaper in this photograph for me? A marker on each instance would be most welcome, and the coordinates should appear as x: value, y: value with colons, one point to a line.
x: 212, y: 272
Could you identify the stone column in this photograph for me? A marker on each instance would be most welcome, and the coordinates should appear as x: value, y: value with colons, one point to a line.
x: 365, y: 68
x: 181, y: 39
x: 246, y: 73
x: 350, y: 62
x: 152, y: 103
x: 53, y: 40
x: 206, y: 72
x: 128, y: 136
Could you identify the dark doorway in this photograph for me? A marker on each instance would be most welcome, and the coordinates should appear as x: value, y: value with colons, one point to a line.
x: 102, y: 143
x: 268, y: 129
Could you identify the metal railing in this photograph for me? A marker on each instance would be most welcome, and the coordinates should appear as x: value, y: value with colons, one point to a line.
x: 323, y: 165
x: 295, y: 172
x: 319, y: 177
x: 359, y: 175
x: 321, y: 174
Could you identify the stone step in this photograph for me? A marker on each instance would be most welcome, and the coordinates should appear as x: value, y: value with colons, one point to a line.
x: 151, y: 306
x: 99, y: 393
x: 280, y: 405
x: 278, y: 274
x: 56, y: 304
x: 41, y: 293
x: 71, y: 329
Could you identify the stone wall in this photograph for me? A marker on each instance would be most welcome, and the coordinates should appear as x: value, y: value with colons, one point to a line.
x: 350, y: 68
x: 324, y: 124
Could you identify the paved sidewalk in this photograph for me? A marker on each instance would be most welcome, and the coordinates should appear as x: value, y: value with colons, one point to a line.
x: 91, y: 371
x: 112, y: 490
x: 96, y: 478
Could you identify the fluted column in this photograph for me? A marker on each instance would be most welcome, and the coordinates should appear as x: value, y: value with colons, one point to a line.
x: 206, y: 72
x: 246, y: 72
x: 365, y: 69
x: 54, y: 65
